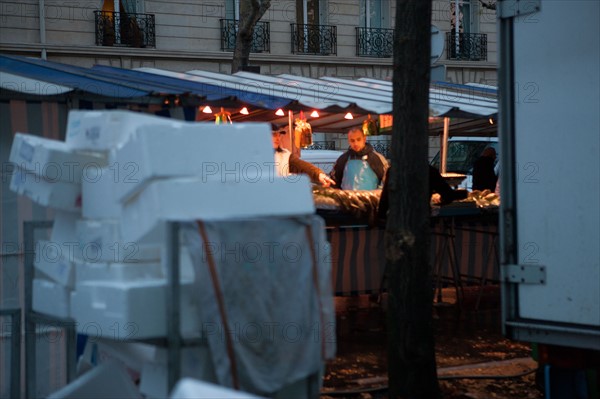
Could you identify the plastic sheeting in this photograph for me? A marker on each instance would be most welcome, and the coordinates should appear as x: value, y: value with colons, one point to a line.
x: 271, y: 299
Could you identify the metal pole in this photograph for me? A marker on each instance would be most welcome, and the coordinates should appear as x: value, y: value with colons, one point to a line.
x: 507, y: 228
x: 173, y: 304
x: 15, y: 350
x: 15, y: 355
x: 30, y: 336
x: 42, y: 17
x: 444, y: 149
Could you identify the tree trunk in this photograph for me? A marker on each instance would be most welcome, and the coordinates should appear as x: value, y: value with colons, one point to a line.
x: 250, y: 12
x: 411, y: 349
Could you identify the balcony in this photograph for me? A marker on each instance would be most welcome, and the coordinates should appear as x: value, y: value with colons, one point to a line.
x: 135, y: 30
x: 383, y: 147
x: 314, y: 39
x: 374, y: 42
x: 260, y: 37
x: 466, y: 47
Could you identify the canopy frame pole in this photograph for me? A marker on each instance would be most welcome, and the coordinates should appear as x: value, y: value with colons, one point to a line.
x: 295, y: 149
x: 444, y: 145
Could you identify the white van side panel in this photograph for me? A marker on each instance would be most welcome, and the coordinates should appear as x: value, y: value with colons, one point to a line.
x: 557, y: 146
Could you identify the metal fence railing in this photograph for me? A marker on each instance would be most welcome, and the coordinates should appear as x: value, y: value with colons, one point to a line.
x: 135, y: 30
x: 314, y: 39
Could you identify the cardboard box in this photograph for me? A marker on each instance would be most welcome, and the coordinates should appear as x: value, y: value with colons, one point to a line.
x: 189, y: 199
x: 52, y: 159
x: 231, y: 153
x: 105, y: 130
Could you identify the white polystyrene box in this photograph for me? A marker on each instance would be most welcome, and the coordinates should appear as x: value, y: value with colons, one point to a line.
x: 192, y: 199
x: 117, y: 272
x: 53, y: 194
x: 129, y: 354
x: 100, y: 241
x: 238, y: 152
x: 50, y: 298
x: 105, y: 130
x: 195, y: 362
x: 54, y: 262
x: 188, y: 388
x: 130, y: 310
x: 98, y: 196
x: 52, y: 159
x: 109, y: 380
x: 63, y: 233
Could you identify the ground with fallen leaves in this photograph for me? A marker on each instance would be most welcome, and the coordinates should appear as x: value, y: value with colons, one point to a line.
x: 469, y: 343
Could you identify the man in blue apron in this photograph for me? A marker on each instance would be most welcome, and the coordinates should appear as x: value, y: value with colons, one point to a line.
x: 361, y: 167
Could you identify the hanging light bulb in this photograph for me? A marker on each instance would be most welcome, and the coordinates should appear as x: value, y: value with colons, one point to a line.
x: 207, y: 110
x: 491, y: 120
x: 279, y: 112
x: 314, y: 114
x: 244, y: 111
x: 348, y: 116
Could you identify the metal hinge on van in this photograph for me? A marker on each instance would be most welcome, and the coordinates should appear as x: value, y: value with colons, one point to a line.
x: 524, y: 274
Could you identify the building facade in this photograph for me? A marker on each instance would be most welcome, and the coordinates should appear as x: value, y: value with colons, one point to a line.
x: 343, y: 38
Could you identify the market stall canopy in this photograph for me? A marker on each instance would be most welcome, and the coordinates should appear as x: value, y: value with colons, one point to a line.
x: 359, y: 97
x: 341, y: 103
x: 36, y: 77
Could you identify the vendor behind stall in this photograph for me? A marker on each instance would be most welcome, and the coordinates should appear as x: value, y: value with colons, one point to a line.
x: 287, y: 163
x: 361, y: 167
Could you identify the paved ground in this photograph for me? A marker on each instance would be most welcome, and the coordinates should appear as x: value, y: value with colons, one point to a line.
x: 469, y: 343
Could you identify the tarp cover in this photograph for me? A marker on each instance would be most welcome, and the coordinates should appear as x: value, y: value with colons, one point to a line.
x: 277, y: 298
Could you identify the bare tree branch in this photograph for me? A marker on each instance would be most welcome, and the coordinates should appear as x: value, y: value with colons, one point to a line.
x: 250, y: 12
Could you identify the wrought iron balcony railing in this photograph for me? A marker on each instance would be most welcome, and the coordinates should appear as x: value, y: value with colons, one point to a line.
x: 322, y: 145
x: 314, y: 39
x: 260, y: 37
x: 374, y: 42
x: 467, y: 46
x: 382, y: 147
x: 135, y: 30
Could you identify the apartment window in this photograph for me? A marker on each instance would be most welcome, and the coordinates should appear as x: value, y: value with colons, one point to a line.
x: 463, y: 42
x: 122, y: 23
x: 375, y: 14
x: 374, y: 38
x: 311, y: 12
x: 310, y: 33
x: 232, y: 9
